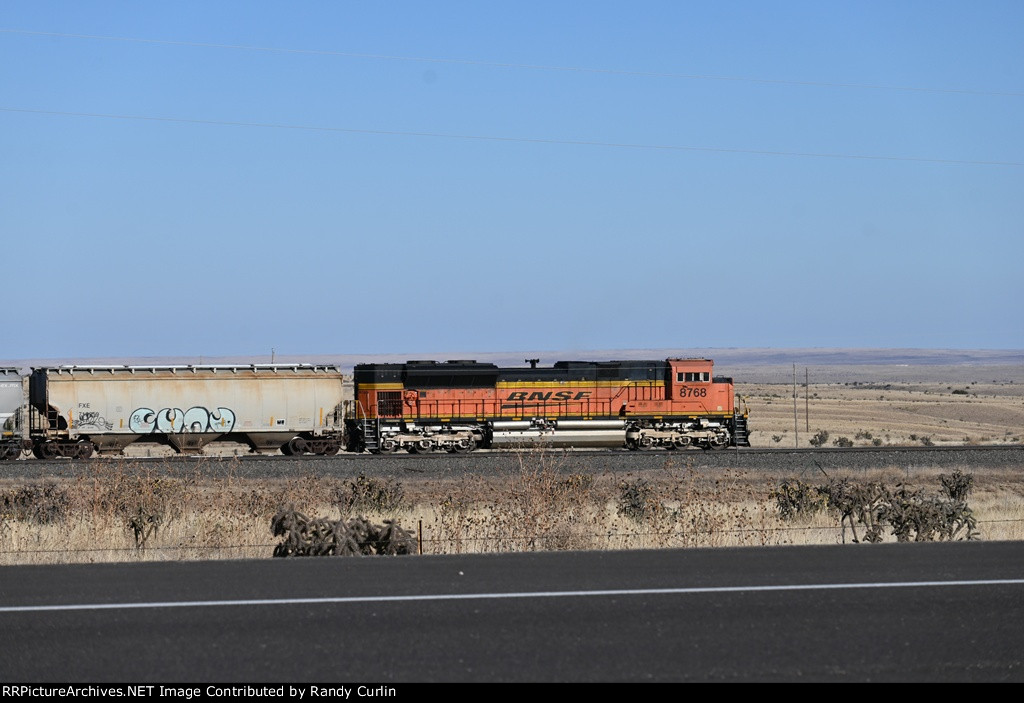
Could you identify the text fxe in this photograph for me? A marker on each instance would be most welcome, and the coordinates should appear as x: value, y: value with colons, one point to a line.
x: 171, y: 420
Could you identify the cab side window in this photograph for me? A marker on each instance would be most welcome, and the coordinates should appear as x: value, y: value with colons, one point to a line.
x: 693, y: 377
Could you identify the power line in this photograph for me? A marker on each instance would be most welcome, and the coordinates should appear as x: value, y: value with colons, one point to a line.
x: 526, y: 66
x: 519, y: 140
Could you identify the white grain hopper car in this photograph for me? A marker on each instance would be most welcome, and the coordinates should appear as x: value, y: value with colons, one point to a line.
x: 12, y: 398
x: 294, y: 408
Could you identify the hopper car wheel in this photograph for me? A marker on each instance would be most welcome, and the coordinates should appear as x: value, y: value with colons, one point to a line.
x: 47, y: 450
x: 85, y: 450
x: 331, y: 448
x: 296, y: 446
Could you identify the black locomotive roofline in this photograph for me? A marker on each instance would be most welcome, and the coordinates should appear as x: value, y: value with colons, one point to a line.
x: 471, y: 374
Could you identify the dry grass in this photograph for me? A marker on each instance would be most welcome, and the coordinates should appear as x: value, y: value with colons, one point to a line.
x: 954, y: 411
x: 122, y: 512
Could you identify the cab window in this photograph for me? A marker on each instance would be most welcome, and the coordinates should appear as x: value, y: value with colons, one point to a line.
x: 693, y: 377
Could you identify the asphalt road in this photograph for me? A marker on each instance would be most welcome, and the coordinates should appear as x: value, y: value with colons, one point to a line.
x: 924, y: 612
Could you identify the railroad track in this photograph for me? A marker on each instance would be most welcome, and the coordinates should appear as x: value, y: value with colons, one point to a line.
x: 445, y: 465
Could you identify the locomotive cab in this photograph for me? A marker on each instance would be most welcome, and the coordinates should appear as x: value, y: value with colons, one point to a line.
x: 692, y: 386
x: 688, y: 378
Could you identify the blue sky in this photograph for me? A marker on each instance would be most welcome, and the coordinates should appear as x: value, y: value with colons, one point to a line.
x: 197, y: 178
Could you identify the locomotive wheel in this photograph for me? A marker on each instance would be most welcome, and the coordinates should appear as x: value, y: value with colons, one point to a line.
x: 464, y: 446
x: 389, y: 446
x: 645, y: 442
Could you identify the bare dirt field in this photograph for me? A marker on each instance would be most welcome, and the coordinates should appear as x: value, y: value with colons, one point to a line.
x: 884, y: 404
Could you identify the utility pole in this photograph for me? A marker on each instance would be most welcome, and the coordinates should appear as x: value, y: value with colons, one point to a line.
x: 796, y: 424
x: 807, y: 399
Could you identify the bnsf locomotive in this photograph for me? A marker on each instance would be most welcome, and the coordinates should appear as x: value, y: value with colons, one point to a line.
x: 460, y: 405
x: 419, y: 406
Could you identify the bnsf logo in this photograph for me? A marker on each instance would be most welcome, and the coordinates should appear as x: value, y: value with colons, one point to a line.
x: 550, y: 395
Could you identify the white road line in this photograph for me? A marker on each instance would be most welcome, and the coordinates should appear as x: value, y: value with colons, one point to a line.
x: 494, y: 596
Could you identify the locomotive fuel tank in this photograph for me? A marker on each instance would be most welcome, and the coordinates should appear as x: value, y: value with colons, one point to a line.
x: 295, y: 408
x: 559, y: 433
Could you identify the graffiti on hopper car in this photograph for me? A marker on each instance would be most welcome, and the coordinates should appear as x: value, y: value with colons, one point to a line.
x: 174, y: 420
x: 93, y: 419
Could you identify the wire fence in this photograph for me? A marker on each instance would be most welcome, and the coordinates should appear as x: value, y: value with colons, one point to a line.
x: 1011, y: 529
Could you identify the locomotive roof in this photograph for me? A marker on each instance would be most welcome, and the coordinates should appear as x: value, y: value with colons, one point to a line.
x: 471, y: 374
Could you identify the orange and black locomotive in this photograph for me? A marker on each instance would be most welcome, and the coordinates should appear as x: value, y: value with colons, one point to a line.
x: 460, y: 405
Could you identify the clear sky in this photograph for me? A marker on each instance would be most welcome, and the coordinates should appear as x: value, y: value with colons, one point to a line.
x: 224, y: 178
